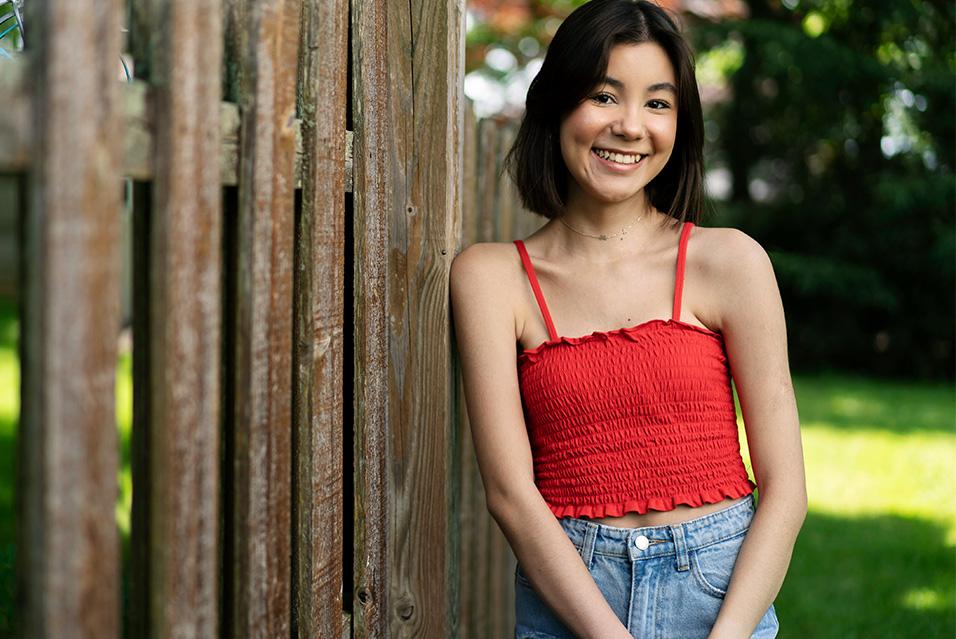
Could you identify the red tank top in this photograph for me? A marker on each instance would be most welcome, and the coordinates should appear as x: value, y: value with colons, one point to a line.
x: 634, y: 419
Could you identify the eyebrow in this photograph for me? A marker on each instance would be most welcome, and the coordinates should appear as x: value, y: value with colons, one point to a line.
x: 659, y: 86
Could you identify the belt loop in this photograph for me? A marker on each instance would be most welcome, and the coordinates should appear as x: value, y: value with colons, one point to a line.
x: 587, y: 546
x: 680, y: 545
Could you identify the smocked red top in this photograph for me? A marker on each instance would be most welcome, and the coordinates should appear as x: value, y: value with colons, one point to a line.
x: 634, y: 419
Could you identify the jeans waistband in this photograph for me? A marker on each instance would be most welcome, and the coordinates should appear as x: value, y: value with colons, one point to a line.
x: 655, y: 541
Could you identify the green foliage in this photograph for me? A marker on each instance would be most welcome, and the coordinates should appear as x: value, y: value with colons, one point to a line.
x: 850, y: 123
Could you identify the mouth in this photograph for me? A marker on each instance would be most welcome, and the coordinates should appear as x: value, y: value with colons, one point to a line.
x: 618, y: 161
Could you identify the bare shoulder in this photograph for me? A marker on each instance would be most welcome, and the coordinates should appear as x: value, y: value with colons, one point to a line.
x: 484, y: 278
x: 732, y: 266
x: 485, y: 268
x: 727, y: 249
x: 484, y: 257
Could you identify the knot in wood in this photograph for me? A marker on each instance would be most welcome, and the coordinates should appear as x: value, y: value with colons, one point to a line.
x: 405, y: 611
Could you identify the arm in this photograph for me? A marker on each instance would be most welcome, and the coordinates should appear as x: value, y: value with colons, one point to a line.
x: 485, y: 331
x: 752, y: 321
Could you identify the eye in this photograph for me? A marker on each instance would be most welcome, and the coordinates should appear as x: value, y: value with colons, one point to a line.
x: 664, y: 105
x: 597, y: 97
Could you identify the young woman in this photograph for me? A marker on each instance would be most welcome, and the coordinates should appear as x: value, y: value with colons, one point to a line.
x: 597, y: 358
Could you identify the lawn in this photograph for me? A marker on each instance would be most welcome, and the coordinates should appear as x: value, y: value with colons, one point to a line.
x: 875, y: 557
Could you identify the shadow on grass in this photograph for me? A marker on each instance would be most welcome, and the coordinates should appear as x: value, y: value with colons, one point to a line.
x: 8, y: 527
x: 854, y: 403
x: 869, y: 577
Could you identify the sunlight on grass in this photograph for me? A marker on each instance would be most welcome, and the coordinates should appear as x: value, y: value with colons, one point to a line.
x: 924, y: 599
x: 10, y: 415
x: 881, y: 528
x: 9, y: 386
x: 865, y: 472
x: 124, y: 419
x: 875, y: 447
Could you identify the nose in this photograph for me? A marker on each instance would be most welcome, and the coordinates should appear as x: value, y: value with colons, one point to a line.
x: 631, y: 123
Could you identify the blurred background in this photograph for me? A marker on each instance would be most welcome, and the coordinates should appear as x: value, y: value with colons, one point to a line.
x: 830, y: 140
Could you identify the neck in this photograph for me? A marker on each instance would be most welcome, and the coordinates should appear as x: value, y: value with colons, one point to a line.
x: 638, y: 218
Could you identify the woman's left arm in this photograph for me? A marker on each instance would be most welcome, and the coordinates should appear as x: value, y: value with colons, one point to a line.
x: 752, y: 322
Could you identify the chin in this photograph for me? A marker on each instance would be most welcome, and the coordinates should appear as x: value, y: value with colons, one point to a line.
x: 615, y: 197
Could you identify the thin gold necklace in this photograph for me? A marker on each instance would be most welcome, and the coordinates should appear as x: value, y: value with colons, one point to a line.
x: 602, y: 236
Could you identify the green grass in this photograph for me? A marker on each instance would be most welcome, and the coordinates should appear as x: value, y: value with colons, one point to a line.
x: 875, y: 557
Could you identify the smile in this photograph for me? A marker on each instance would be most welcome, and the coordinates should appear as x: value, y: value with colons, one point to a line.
x: 617, y: 160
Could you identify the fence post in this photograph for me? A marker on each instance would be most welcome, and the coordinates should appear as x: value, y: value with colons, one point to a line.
x: 260, y: 597
x: 407, y: 68
x: 176, y: 438
x: 69, y: 559
x: 319, y: 328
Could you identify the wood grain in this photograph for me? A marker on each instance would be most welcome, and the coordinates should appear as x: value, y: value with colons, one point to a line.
x: 137, y: 114
x: 68, y: 542
x: 319, y: 325
x: 182, y: 525
x: 407, y: 70
x: 261, y: 494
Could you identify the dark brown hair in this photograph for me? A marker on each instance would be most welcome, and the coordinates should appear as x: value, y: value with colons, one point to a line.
x: 573, y: 66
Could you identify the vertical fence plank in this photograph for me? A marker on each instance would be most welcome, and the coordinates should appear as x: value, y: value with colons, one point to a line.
x: 492, y: 213
x: 469, y: 176
x: 505, y: 208
x: 68, y: 538
x: 184, y: 323
x: 319, y: 324
x: 263, y: 410
x: 372, y: 190
x: 487, y: 530
x: 480, y: 588
x: 421, y: 249
x: 408, y: 61
x: 470, y: 500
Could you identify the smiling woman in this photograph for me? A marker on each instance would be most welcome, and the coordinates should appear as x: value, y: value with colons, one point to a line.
x: 622, y: 135
x: 609, y: 451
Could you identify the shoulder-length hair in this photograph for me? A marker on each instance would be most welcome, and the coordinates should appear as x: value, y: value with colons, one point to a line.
x: 575, y: 63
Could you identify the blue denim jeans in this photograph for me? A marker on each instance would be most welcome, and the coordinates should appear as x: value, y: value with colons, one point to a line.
x: 663, y: 582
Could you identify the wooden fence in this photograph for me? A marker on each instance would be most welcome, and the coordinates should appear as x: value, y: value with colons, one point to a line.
x: 294, y: 163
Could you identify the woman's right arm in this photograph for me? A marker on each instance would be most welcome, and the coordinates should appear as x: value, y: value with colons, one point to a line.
x: 485, y: 331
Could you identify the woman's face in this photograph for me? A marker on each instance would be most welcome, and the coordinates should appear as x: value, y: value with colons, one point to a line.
x: 633, y: 112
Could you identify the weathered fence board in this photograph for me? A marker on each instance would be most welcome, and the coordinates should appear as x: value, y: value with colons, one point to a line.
x: 261, y: 490
x: 69, y: 561
x: 407, y: 64
x: 372, y: 203
x: 136, y: 113
x: 491, y: 213
x: 177, y: 499
x: 243, y: 441
x: 319, y: 328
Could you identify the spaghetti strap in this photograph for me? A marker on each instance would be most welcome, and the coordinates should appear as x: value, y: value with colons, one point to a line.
x: 529, y: 269
x: 681, y: 259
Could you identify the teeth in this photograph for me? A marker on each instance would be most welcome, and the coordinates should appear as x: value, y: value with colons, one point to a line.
x: 618, y: 157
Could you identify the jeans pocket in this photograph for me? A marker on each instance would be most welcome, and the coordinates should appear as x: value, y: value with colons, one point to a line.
x: 520, y: 577
x: 713, y: 565
x: 534, y: 618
